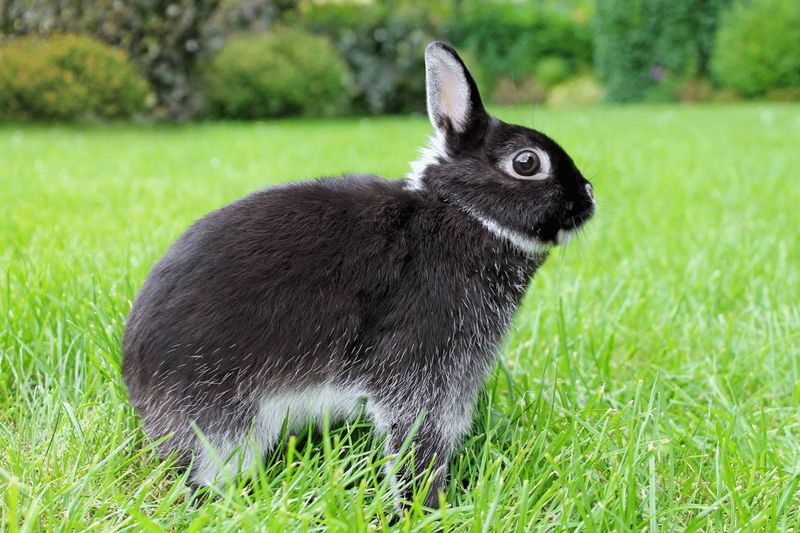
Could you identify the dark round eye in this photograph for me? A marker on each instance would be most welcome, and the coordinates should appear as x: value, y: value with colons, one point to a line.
x: 526, y: 163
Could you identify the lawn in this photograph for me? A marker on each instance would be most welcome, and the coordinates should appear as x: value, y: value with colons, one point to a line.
x: 653, y: 374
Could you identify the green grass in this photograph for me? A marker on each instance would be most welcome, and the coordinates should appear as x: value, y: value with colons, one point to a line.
x: 653, y: 378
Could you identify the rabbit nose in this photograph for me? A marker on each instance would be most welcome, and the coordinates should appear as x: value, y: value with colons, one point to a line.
x: 590, y: 191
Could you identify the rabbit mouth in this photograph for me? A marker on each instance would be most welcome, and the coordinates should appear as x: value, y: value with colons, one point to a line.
x: 571, y: 225
x: 565, y: 235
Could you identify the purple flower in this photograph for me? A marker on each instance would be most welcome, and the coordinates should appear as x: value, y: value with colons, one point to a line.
x: 657, y: 72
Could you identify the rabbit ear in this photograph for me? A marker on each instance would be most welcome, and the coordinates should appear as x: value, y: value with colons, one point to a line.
x: 454, y: 104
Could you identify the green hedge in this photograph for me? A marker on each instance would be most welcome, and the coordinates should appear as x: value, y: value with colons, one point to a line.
x: 383, y: 48
x: 167, y: 40
x: 67, y: 77
x: 645, y: 49
x: 522, y: 40
x: 758, y: 47
x: 276, y: 73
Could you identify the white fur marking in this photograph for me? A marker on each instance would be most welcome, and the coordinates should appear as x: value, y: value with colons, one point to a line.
x: 565, y: 235
x: 232, y: 454
x: 524, y: 243
x: 431, y: 154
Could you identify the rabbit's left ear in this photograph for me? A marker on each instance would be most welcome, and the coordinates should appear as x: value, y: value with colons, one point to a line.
x: 454, y: 104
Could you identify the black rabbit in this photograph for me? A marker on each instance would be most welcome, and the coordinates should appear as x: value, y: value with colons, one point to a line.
x: 311, y: 297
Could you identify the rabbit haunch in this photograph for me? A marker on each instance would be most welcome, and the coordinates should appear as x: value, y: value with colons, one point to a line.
x: 315, y: 299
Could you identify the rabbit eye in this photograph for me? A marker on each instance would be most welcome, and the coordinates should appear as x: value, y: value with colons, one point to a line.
x: 526, y: 163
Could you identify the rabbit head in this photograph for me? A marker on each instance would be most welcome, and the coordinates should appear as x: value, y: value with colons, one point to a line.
x: 516, y: 181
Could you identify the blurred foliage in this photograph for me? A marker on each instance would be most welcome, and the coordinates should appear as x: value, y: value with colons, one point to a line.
x: 282, y: 72
x: 645, y: 49
x: 695, y: 90
x: 67, y: 77
x: 522, y: 40
x: 166, y: 38
x: 758, y: 48
x: 580, y: 90
x: 552, y: 70
x: 476, y: 69
x: 520, y: 51
x: 383, y: 46
x: 518, y: 92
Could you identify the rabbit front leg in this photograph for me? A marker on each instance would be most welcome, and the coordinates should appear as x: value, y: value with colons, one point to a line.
x: 434, y: 433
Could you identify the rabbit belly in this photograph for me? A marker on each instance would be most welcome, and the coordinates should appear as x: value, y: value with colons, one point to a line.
x: 230, y: 454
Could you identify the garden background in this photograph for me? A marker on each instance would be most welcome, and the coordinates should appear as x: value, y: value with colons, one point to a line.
x: 211, y: 59
x: 652, y: 377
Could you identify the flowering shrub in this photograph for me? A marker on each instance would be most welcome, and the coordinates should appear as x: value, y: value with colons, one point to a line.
x: 646, y: 49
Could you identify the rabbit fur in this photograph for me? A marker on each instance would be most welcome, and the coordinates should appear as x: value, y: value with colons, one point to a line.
x: 318, y: 297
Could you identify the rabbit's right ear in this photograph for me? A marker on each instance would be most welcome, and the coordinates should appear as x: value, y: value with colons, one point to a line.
x: 454, y: 104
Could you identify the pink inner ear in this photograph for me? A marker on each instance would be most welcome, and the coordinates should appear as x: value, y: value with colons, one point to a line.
x: 448, y: 89
x: 454, y: 98
x: 449, y: 92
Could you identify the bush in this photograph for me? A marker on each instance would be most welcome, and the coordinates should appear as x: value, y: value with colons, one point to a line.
x: 758, y: 47
x: 476, y: 69
x: 694, y: 90
x: 580, y: 90
x: 551, y: 71
x: 516, y: 92
x: 168, y: 40
x: 511, y: 40
x: 67, y: 77
x: 279, y: 73
x: 646, y: 49
x: 383, y: 48
x: 787, y: 94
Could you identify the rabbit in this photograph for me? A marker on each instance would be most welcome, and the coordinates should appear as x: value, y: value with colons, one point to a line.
x: 320, y: 298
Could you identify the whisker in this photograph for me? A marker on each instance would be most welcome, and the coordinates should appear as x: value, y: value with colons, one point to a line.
x: 585, y: 243
x: 515, y: 105
x: 590, y: 162
x: 603, y: 173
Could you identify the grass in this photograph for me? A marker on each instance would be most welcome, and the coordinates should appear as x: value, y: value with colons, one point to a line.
x: 653, y: 378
